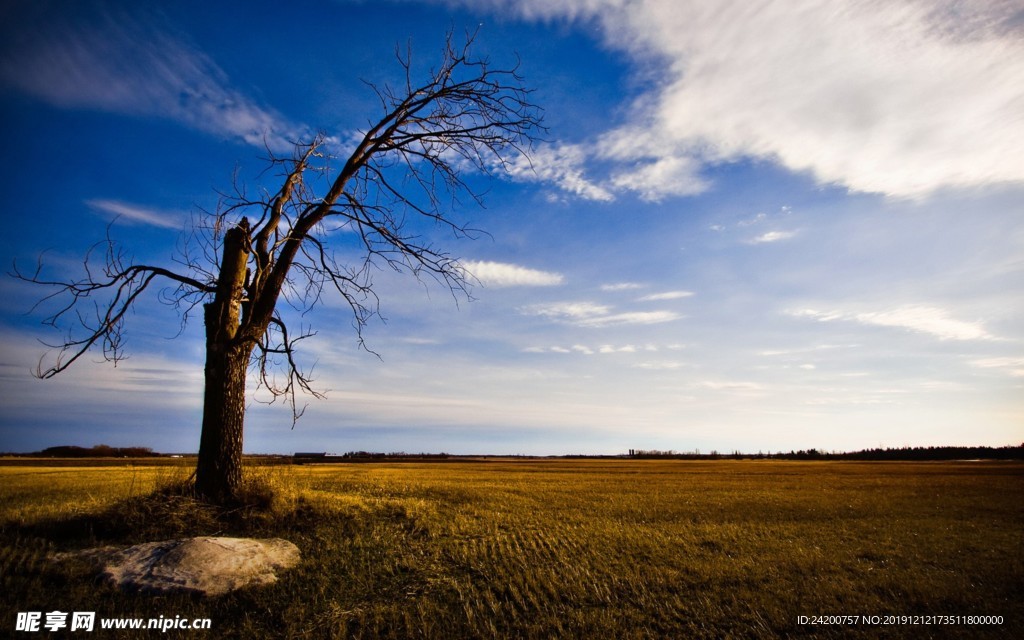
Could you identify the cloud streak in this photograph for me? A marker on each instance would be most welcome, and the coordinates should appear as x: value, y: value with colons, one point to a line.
x: 137, y: 214
x: 502, y: 274
x: 122, y: 63
x: 920, y: 318
x: 666, y: 295
x: 772, y: 236
x: 605, y: 349
x: 622, y: 286
x: 589, y: 314
x: 563, y: 165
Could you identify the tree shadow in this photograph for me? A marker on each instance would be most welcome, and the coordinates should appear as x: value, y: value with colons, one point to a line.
x: 169, y: 512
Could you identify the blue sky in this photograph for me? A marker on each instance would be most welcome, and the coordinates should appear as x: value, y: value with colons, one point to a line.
x: 751, y: 225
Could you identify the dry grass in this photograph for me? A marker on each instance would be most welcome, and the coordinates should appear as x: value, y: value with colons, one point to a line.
x: 543, y: 549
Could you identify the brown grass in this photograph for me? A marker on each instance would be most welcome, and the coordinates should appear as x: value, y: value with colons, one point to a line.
x: 541, y: 549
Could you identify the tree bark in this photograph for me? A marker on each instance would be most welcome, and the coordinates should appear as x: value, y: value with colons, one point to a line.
x: 219, y: 467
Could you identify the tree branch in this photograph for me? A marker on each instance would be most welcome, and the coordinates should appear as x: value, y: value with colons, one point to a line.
x: 408, y: 167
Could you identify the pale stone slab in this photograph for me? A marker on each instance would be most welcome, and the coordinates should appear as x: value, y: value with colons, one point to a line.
x: 209, y: 565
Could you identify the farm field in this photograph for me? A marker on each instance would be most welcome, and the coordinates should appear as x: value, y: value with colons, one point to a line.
x: 553, y: 548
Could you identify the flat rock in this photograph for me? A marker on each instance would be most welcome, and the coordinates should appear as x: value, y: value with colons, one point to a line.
x: 209, y: 565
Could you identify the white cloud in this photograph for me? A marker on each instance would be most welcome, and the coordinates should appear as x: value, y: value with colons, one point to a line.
x: 607, y: 348
x: 621, y: 286
x: 572, y: 311
x: 667, y: 295
x: 502, y: 274
x: 576, y: 348
x: 604, y: 349
x: 136, y: 213
x: 589, y: 314
x: 899, y: 97
x: 927, y: 320
x: 561, y: 165
x: 821, y: 316
x: 661, y: 177
x: 633, y: 317
x: 123, y: 64
x: 920, y: 318
x: 772, y: 236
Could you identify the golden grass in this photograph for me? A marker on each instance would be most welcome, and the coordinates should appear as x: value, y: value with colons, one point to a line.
x: 541, y: 549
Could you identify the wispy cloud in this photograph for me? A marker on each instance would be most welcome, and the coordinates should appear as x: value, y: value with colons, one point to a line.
x: 124, y: 63
x: 503, y: 274
x: 656, y: 178
x: 920, y: 318
x: 631, y: 317
x: 895, y: 97
x: 589, y: 314
x: 927, y: 320
x: 562, y: 165
x: 626, y: 348
x: 772, y: 236
x: 137, y: 214
x: 604, y: 349
x: 667, y: 295
x: 568, y: 310
x: 621, y: 286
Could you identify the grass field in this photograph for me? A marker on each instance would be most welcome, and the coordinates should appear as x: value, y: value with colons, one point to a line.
x: 548, y: 549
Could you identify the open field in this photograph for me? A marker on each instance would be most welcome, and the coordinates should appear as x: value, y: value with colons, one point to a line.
x: 544, y: 549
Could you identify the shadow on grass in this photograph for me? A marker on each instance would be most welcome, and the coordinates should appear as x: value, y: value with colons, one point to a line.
x: 31, y: 579
x: 173, y: 511
x: 357, y: 556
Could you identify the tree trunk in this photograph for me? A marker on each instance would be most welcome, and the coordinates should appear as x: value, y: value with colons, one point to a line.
x: 219, y: 468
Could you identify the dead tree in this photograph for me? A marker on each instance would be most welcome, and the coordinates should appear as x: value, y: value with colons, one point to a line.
x: 464, y: 117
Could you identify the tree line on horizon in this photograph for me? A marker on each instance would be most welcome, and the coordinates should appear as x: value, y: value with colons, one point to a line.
x: 98, y: 451
x: 876, y: 454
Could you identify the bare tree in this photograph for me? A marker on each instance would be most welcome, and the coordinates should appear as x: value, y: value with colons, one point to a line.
x: 255, y: 252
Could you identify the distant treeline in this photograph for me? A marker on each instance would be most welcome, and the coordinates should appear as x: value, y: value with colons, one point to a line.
x: 99, y: 451
x: 902, y: 453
